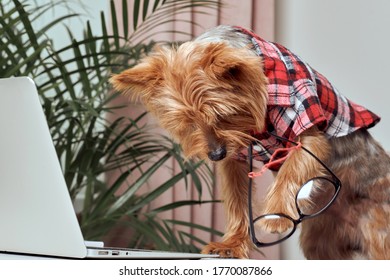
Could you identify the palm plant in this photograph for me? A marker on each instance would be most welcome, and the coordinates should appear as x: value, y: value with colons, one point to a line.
x: 73, y: 87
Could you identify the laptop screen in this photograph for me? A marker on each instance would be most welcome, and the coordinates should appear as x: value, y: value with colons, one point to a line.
x: 36, y: 212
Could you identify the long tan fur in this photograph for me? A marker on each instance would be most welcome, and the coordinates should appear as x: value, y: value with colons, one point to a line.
x: 210, y: 96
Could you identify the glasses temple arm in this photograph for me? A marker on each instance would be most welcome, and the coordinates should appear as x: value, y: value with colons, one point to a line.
x: 250, y: 213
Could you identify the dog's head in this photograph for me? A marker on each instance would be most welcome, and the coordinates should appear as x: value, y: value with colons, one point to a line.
x: 209, y: 97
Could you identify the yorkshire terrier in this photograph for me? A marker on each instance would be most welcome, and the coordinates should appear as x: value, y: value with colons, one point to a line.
x: 229, y: 88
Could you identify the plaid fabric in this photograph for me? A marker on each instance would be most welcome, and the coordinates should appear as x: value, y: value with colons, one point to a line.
x: 299, y: 98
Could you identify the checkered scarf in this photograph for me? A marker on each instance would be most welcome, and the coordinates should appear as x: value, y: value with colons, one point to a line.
x: 299, y: 98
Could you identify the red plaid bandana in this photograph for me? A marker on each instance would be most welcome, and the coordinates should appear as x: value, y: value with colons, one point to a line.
x: 299, y: 98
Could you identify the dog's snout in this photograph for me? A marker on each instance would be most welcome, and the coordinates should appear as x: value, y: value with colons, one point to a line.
x: 217, y: 154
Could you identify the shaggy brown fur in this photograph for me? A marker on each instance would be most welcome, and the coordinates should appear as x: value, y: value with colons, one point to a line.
x: 192, y: 90
x: 357, y: 225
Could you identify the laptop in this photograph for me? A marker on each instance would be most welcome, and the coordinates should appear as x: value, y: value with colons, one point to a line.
x: 36, y: 212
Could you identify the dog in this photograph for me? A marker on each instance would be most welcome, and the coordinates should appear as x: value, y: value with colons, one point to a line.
x: 226, y: 89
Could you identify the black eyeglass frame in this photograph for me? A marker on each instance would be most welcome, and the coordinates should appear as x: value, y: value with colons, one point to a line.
x: 336, y: 183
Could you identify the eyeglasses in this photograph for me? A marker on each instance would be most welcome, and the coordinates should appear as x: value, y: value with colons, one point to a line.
x: 312, y: 199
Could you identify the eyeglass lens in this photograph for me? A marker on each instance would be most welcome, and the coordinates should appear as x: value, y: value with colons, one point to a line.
x: 312, y: 198
x: 265, y: 235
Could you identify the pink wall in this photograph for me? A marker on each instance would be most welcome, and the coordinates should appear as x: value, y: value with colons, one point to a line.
x: 254, y: 14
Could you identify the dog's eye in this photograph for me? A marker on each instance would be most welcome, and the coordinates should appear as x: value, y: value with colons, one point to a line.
x: 191, y: 127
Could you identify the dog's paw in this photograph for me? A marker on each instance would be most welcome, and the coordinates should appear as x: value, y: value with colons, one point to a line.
x: 226, y: 250
x: 280, y: 201
x: 275, y: 225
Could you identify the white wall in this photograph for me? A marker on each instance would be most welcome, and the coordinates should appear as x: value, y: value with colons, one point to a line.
x: 87, y: 10
x: 349, y: 42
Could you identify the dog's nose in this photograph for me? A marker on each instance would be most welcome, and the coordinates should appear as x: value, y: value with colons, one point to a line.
x: 217, y: 154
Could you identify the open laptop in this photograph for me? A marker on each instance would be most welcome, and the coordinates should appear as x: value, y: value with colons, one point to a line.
x: 36, y: 213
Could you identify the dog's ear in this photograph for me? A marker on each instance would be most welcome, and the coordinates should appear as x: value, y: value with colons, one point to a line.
x: 224, y: 62
x: 139, y: 80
